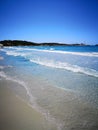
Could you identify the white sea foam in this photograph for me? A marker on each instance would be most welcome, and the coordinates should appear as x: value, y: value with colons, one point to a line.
x: 51, y: 49
x: 33, y: 103
x: 15, y: 53
x: 90, y: 54
x: 55, y: 64
x: 3, y: 75
x: 67, y: 66
x: 19, y: 49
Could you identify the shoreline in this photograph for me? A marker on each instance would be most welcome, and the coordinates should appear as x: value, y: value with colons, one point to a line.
x: 50, y: 102
x: 16, y: 114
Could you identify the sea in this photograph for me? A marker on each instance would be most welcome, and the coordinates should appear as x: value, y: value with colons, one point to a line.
x: 61, y: 82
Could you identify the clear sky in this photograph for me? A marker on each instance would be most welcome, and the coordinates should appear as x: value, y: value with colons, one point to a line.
x: 66, y: 21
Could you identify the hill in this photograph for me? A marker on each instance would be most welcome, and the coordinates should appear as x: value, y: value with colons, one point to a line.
x: 28, y: 43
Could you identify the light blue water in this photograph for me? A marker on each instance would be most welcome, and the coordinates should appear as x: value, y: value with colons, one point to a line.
x: 76, y: 59
x: 60, y: 82
x: 72, y: 68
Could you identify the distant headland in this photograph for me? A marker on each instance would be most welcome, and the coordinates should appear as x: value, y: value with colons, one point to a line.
x: 28, y: 43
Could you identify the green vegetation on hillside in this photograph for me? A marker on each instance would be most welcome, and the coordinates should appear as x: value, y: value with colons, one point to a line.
x: 28, y: 43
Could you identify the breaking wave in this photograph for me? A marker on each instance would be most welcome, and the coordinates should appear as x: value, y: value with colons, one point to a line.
x: 28, y: 54
x: 66, y: 66
x: 89, y: 54
x: 4, y: 75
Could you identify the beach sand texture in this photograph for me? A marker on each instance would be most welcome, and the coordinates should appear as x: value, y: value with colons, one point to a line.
x: 15, y: 114
x: 28, y: 102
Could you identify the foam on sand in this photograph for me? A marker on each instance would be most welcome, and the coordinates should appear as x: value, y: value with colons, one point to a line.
x: 15, y: 114
x: 32, y: 100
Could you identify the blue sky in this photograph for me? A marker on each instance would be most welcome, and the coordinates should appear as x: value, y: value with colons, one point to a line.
x: 66, y: 21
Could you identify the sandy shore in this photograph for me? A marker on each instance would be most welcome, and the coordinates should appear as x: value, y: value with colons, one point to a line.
x: 15, y: 114
x: 62, y: 108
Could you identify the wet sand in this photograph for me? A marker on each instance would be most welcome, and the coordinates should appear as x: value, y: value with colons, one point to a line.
x: 68, y: 111
x: 15, y: 114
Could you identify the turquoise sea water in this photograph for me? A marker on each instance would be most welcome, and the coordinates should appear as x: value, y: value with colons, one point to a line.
x: 65, y: 69
x: 60, y: 65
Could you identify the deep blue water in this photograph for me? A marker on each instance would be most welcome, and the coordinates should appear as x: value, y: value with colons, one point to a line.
x: 72, y: 48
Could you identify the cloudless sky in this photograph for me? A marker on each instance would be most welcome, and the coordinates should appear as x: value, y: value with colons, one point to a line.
x: 66, y: 21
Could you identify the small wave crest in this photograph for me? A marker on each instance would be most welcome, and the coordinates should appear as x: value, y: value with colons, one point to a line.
x: 14, y: 53
x: 90, y: 54
x: 4, y: 75
x: 19, y: 49
x: 33, y: 102
x: 53, y: 63
x: 66, y: 66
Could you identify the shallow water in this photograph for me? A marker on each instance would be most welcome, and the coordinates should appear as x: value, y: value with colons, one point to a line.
x: 62, y: 86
